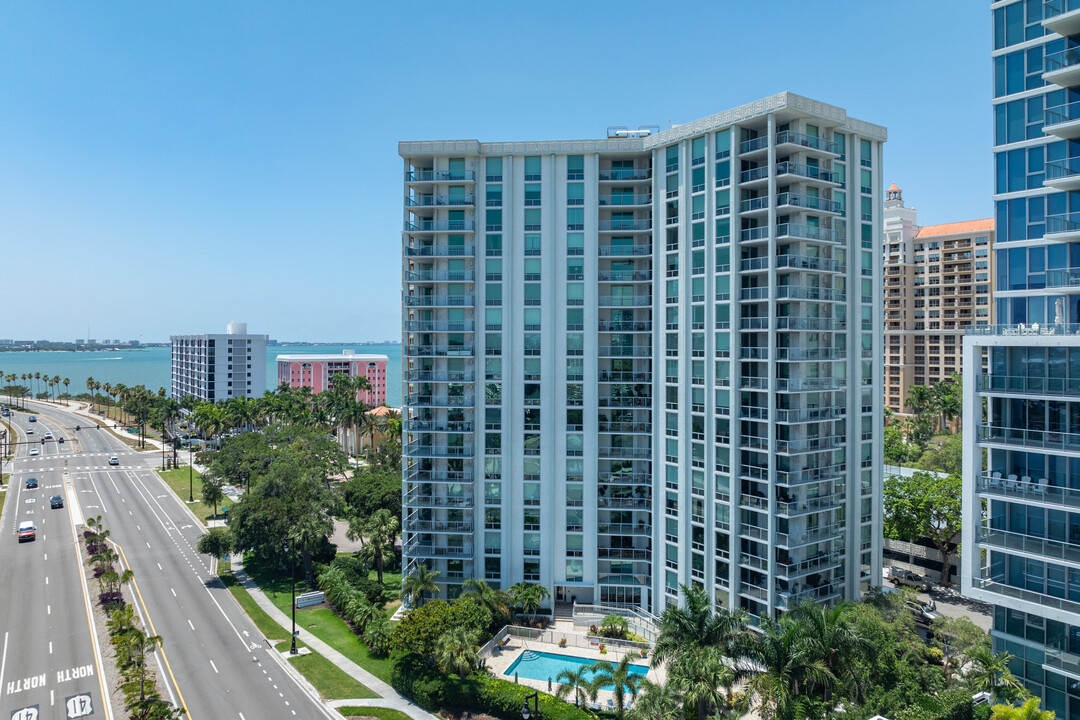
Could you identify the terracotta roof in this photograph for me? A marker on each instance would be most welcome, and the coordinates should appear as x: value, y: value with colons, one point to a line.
x: 957, y: 228
x: 893, y: 187
x: 381, y: 410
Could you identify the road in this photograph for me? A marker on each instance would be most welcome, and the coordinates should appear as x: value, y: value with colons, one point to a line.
x: 214, y: 661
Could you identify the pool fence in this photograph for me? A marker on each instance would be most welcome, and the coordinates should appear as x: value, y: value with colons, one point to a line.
x: 560, y: 639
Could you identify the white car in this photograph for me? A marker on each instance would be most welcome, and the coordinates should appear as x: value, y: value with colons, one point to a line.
x: 34, y: 451
x: 114, y: 460
x: 29, y: 431
x: 48, y: 435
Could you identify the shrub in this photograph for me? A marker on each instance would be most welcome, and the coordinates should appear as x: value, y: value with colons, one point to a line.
x: 421, y: 627
x: 411, y: 676
x: 486, y: 694
x: 377, y: 636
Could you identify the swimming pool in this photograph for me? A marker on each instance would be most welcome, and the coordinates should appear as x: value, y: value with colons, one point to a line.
x: 542, y: 666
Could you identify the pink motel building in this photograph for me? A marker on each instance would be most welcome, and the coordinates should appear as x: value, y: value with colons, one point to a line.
x: 315, y: 371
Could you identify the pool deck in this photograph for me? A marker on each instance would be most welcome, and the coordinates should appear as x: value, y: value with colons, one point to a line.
x: 502, y: 659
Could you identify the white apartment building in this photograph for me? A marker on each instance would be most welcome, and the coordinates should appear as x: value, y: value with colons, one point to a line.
x: 217, y: 367
x: 639, y: 362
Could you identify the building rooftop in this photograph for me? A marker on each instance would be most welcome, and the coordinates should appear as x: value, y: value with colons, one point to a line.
x: 957, y: 228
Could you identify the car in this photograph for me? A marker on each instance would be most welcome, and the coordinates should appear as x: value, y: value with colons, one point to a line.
x: 31, y: 483
x: 34, y: 452
x: 29, y: 431
x: 56, y: 501
x: 33, y: 418
x: 48, y: 435
x: 61, y: 441
x: 114, y: 460
x: 27, y: 531
x: 906, y: 577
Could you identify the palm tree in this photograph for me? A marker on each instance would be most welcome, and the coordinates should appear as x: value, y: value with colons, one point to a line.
x: 620, y: 678
x: 786, y: 666
x: 833, y: 640
x: 456, y: 650
x: 496, y: 601
x: 989, y: 672
x: 579, y: 682
x: 381, y: 530
x: 695, y: 624
x: 656, y: 702
x: 919, y: 398
x: 36, y: 376
x: 66, y: 381
x: 701, y: 678
x: 614, y: 626
x: 91, y: 386
x: 529, y: 596
x: 55, y: 382
x: 137, y: 644
x: 414, y: 585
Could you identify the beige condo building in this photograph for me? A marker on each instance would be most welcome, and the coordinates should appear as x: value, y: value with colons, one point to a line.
x: 938, y: 280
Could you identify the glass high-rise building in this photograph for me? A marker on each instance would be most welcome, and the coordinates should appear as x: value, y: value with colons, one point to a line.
x: 648, y: 360
x: 1021, y: 534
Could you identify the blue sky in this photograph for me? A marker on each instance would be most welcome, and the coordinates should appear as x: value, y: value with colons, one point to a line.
x: 167, y: 167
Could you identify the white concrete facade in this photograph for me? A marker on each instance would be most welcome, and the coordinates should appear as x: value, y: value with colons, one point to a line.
x: 215, y: 367
x: 632, y: 364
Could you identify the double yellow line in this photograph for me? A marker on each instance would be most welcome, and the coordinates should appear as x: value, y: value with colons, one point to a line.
x: 150, y: 622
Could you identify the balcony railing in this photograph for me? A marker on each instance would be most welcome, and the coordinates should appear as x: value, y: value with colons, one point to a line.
x: 622, y: 250
x: 807, y: 232
x: 798, y: 354
x: 1062, y: 278
x: 624, y: 503
x: 624, y: 528
x: 641, y: 351
x: 1051, y: 549
x: 1045, y: 601
x: 1022, y: 329
x: 439, y: 276
x: 438, y: 376
x: 828, y: 442
x: 413, y: 426
x: 798, y: 568
x: 809, y: 141
x: 805, y: 292
x: 624, y: 275
x: 438, y: 350
x: 1024, y: 385
x: 423, y: 550
x: 758, y: 173
x: 817, y: 594
x: 1035, y: 490
x: 440, y: 226
x: 439, y: 300
x: 419, y: 400
x: 435, y: 451
x: 1042, y: 439
x: 439, y: 200
x: 437, y: 326
x: 624, y: 199
x: 625, y: 402
x: 624, y: 478
x: 439, y: 175
x: 812, y: 172
x: 789, y: 322
x: 632, y: 453
x: 439, y: 251
x: 1062, y: 59
x: 818, y: 384
x: 438, y: 501
x: 810, y: 535
x: 1069, y: 112
x: 804, y: 262
x: 1065, y: 223
x: 624, y: 174
x: 621, y: 225
x: 625, y: 300
x: 809, y: 505
x: 623, y: 554
x: 415, y: 475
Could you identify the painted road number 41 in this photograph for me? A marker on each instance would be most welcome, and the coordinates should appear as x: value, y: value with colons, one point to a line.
x: 78, y: 706
x: 26, y: 713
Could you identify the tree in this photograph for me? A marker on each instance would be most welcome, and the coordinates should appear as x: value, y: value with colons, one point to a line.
x: 456, y: 650
x: 702, y: 679
x: 926, y: 505
x: 217, y: 543
x: 948, y: 457
x: 620, y: 678
x: 212, y: 493
x: 496, y: 601
x: 833, y: 639
x: 136, y: 645
x: 694, y: 624
x: 66, y: 381
x: 529, y: 596
x: 957, y: 637
x: 1028, y: 711
x: 656, y: 702
x: 416, y: 584
x: 91, y: 386
x: 989, y: 672
x: 381, y: 531
x: 577, y: 682
x: 919, y: 398
x: 614, y: 626
x: 786, y: 666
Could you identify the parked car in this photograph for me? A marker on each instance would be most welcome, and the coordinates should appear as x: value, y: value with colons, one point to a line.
x: 924, y: 612
x: 27, y: 531
x: 906, y: 577
x: 56, y: 501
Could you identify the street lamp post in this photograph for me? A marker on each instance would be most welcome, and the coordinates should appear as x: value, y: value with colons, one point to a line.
x: 190, y: 476
x: 292, y: 573
x: 525, y: 711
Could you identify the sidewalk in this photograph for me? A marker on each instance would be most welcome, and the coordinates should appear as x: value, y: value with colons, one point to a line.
x: 390, y: 697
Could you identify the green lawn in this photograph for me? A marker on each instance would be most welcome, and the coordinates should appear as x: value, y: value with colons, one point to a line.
x: 178, y: 481
x: 322, y: 622
x: 330, y: 680
x: 264, y: 622
x: 375, y: 712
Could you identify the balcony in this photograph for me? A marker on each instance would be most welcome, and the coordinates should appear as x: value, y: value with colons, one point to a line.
x: 429, y: 176
x: 625, y: 301
x: 625, y: 402
x: 435, y: 401
x: 804, y: 262
x: 808, y: 142
x: 804, y: 292
x: 625, y: 175
x: 624, y: 478
x: 821, y: 503
x: 823, y: 533
x: 625, y: 377
x: 1034, y: 491
x: 1063, y: 174
x: 434, y: 276
x: 451, y: 426
x: 625, y: 453
x: 1045, y: 601
x: 1024, y: 385
x: 790, y: 322
x: 424, y: 550
x: 440, y: 326
x: 820, y: 562
x: 432, y: 301
x: 640, y: 528
x: 819, y: 594
x: 623, y: 554
x: 1063, y: 120
x: 439, y: 251
x: 620, y: 351
x: 754, y: 176
x: 811, y: 444
x: 438, y: 501
x: 622, y: 276
x: 624, y: 200
x: 437, y: 376
x: 1062, y: 68
x: 1061, y: 17
x: 809, y: 384
x: 415, y: 475
x: 810, y: 172
x: 622, y: 250
x: 434, y: 201
x: 1036, y: 439
x: 623, y: 326
x: 805, y: 354
x: 421, y: 450
x: 618, y: 428
x: 1017, y: 542
x: 624, y: 503
x: 440, y: 526
x: 415, y: 350
x: 623, y: 579
x: 625, y: 225
x: 807, y: 232
x: 433, y: 226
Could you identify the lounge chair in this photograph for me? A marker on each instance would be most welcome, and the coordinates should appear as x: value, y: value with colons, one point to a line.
x: 1040, y: 487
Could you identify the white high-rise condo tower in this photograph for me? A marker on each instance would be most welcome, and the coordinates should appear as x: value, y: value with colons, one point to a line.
x: 219, y: 366
x: 649, y: 360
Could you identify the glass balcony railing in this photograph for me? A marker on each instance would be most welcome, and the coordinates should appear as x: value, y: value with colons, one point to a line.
x: 758, y: 173
x: 1059, y: 114
x: 440, y: 226
x: 624, y: 199
x: 804, y: 292
x: 420, y: 400
x: 625, y: 225
x: 438, y: 501
x: 1032, y: 490
x: 621, y: 276
x: 1065, y: 223
x: 1041, y: 439
x: 821, y: 533
x: 438, y: 376
x: 438, y: 350
x: 452, y: 426
x: 639, y: 528
x: 1024, y: 385
x: 808, y: 202
x: 633, y: 453
x: 812, y: 172
x: 439, y: 300
x: 785, y: 137
x: 621, y: 250
x: 1005, y: 540
x: 623, y: 554
x: 421, y: 450
x: 753, y: 144
x: 808, y: 232
x: 432, y: 201
x: 818, y: 384
x: 811, y: 505
x: 439, y: 251
x: 789, y: 322
x: 1063, y: 169
x: 438, y: 326
x: 425, y: 550
x: 624, y: 174
x: 428, y: 276
x: 1067, y: 58
x: 802, y: 354
x: 625, y: 300
x: 1045, y: 601
x: 439, y: 176
x: 623, y: 326
x: 819, y: 593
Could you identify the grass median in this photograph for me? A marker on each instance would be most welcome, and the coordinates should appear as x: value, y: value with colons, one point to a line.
x: 331, y: 681
x: 264, y: 622
x: 380, y: 713
x: 322, y: 622
x: 178, y: 480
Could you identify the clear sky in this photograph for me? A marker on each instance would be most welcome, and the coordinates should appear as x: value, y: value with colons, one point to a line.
x: 166, y: 167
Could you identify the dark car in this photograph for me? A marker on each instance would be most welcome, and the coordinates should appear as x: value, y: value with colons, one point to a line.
x: 56, y: 501
x: 31, y: 483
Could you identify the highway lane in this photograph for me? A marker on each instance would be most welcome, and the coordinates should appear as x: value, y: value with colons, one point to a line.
x: 48, y: 657
x: 215, y: 661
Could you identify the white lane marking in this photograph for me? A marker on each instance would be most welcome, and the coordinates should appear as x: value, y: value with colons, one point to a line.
x: 52, y: 698
x: 213, y: 666
x: 241, y: 716
x: 147, y: 544
x: 46, y: 556
x: 192, y: 626
x: 159, y: 566
x: 50, y: 647
x: 138, y: 527
x: 173, y: 592
x: 46, y: 577
x: 48, y: 609
x: 3, y: 664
